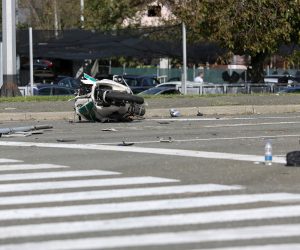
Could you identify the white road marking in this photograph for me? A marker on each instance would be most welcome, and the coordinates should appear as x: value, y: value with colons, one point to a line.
x: 160, y: 151
x: 148, y: 221
x: 138, y: 206
x: 3, y: 160
x: 223, y: 118
x: 51, y: 175
x: 30, y: 167
x: 290, y: 246
x: 157, y: 239
x: 53, y: 185
x: 114, y: 193
x: 248, y: 124
x: 212, y: 139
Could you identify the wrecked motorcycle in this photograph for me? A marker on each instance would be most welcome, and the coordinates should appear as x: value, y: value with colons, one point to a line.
x: 107, y: 101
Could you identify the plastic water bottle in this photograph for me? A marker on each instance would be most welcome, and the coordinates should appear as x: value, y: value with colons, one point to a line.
x: 268, y: 153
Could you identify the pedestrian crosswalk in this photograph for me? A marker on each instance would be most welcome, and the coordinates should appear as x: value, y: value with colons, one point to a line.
x: 48, y: 206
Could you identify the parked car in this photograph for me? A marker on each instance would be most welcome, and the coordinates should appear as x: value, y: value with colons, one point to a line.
x: 279, y: 79
x: 69, y: 82
x: 139, y: 83
x: 160, y: 91
x: 295, y: 89
x: 52, y: 89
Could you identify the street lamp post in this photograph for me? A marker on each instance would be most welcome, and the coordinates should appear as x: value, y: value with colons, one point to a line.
x: 9, y: 87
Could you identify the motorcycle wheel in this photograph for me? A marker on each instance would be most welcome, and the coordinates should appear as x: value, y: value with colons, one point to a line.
x: 119, y: 96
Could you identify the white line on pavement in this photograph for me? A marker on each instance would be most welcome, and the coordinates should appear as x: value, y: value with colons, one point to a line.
x: 291, y: 246
x: 30, y: 167
x: 58, y: 174
x: 156, y: 239
x: 3, y: 160
x: 248, y: 124
x: 53, y: 185
x: 60, y: 228
x: 115, y: 193
x: 160, y: 151
x: 138, y: 206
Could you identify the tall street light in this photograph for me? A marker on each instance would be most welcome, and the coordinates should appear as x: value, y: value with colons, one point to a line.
x: 9, y: 87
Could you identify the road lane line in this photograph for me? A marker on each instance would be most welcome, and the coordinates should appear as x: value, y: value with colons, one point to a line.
x: 72, y: 227
x: 291, y: 246
x: 248, y: 124
x: 4, y: 160
x: 53, y: 175
x: 160, y: 239
x: 30, y: 167
x: 144, y: 150
x: 53, y: 185
x: 114, y: 193
x: 138, y: 206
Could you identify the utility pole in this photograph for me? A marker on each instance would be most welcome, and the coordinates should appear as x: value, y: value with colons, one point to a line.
x: 184, y: 68
x: 82, y: 13
x: 9, y: 87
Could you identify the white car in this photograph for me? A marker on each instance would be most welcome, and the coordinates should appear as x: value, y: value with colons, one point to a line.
x: 177, y: 84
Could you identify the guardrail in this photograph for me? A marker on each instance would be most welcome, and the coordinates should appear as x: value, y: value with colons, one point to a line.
x: 226, y: 88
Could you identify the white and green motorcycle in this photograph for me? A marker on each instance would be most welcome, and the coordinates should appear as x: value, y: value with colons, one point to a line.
x: 107, y: 101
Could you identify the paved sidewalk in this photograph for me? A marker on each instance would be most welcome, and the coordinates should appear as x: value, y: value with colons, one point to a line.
x: 159, y: 107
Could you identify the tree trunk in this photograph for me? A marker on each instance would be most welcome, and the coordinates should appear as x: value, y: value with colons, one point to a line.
x: 10, y: 89
x: 257, y: 63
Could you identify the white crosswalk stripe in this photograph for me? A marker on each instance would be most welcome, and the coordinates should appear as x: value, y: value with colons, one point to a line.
x: 215, y: 235
x: 4, y: 160
x: 14, y: 167
x: 60, y: 219
x: 51, y: 175
x: 115, y: 193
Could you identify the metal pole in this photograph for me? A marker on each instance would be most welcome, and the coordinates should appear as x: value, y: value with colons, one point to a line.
x: 55, y: 18
x: 31, y: 60
x: 81, y: 13
x: 1, y: 63
x: 9, y: 42
x: 183, y: 81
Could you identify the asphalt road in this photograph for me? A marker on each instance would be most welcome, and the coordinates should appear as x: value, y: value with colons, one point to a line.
x: 159, y: 183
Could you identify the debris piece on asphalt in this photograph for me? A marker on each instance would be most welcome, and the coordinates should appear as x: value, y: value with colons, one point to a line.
x: 65, y: 140
x: 163, y: 122
x: 174, y: 113
x: 293, y: 159
x: 14, y: 130
x: 109, y: 129
x: 126, y: 144
x: 199, y: 113
x: 170, y: 139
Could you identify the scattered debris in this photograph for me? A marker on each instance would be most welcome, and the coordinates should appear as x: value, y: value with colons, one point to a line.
x: 199, y: 113
x: 293, y: 159
x: 109, y: 129
x: 126, y: 144
x: 174, y: 113
x: 65, y: 140
x: 170, y: 139
x: 28, y: 130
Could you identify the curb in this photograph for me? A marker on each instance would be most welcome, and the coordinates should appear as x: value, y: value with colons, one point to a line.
x: 161, y: 113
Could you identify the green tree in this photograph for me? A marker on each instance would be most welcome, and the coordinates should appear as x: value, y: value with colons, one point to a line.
x: 107, y: 15
x: 43, y: 14
x: 244, y: 27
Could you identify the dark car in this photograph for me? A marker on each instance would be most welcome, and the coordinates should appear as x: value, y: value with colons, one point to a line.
x: 295, y: 89
x: 52, y: 89
x: 69, y: 82
x: 160, y: 91
x: 139, y: 83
